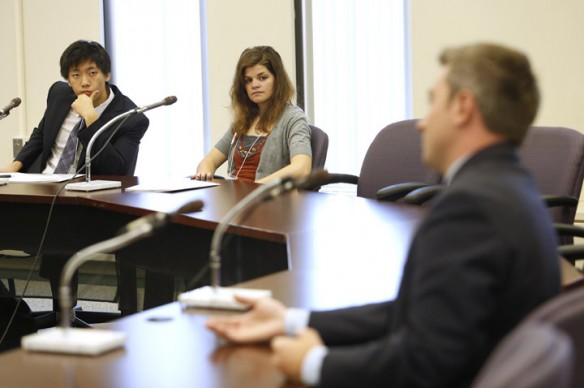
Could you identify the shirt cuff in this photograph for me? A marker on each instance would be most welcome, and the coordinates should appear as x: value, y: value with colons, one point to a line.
x: 312, y: 365
x: 295, y: 320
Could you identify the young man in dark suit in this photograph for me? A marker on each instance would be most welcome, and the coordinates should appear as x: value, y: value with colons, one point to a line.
x: 87, y: 95
x: 75, y: 111
x: 481, y: 260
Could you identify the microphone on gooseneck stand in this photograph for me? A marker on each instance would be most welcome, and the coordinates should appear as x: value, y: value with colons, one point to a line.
x: 215, y: 296
x: 166, y: 101
x: 90, y: 185
x: 11, y: 105
x: 65, y: 339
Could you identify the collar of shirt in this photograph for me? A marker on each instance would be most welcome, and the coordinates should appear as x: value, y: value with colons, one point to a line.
x: 454, y: 168
x: 101, y: 107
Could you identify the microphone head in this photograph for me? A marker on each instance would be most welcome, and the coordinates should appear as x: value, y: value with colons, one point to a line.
x: 191, y: 207
x: 170, y: 100
x: 15, y: 101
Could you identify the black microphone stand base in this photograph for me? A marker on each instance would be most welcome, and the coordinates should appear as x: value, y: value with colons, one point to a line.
x: 69, y: 340
x: 220, y: 297
x: 93, y: 185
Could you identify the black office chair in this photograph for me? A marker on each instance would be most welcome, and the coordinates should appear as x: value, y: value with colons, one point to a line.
x: 319, y: 142
x: 394, y: 156
x: 566, y: 312
x: 570, y: 251
x: 534, y: 355
x: 555, y: 157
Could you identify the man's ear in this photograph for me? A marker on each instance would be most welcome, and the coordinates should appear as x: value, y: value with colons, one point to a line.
x: 465, y: 107
x: 107, y: 77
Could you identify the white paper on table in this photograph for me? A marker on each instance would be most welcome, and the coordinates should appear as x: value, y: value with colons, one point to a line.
x: 20, y: 177
x: 170, y: 185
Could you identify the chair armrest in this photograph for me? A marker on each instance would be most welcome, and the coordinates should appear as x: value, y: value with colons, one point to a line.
x: 569, y: 230
x: 423, y: 194
x: 571, y: 252
x: 560, y: 200
x: 399, y: 190
x: 343, y: 178
x: 336, y: 178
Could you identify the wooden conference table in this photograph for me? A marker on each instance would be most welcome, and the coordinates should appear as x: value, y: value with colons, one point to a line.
x: 300, y: 230
x: 338, y: 250
x: 354, y: 247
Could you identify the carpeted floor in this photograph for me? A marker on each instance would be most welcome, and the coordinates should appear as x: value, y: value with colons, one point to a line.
x: 97, y: 283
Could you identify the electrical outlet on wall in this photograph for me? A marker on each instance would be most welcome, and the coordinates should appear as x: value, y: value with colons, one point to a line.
x: 17, y: 143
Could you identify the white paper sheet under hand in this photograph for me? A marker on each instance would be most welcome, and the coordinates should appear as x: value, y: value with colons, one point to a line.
x: 170, y: 185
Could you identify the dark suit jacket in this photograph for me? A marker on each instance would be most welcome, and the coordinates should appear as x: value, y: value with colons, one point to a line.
x: 119, y: 154
x: 483, y: 257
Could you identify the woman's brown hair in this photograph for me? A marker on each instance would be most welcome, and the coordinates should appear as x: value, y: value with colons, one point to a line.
x: 244, y: 110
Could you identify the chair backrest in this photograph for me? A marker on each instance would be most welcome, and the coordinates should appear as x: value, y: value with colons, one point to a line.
x: 394, y: 156
x: 319, y: 142
x: 555, y: 157
x: 566, y: 312
x: 535, y: 355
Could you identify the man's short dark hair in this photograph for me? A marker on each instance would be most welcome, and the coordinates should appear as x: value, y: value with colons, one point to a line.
x: 82, y: 51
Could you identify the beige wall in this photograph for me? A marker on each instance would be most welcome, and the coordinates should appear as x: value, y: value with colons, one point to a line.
x: 37, y: 32
x: 551, y: 33
x: 10, y: 66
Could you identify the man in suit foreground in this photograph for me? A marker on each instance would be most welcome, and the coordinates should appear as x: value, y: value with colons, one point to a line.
x: 483, y: 257
x: 86, y: 101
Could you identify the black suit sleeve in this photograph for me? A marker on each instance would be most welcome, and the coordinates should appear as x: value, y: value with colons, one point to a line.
x: 36, y: 145
x: 353, y: 325
x: 32, y: 149
x: 448, y: 293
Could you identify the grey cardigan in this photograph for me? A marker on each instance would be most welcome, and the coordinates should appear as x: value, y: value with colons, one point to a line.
x: 289, y: 137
